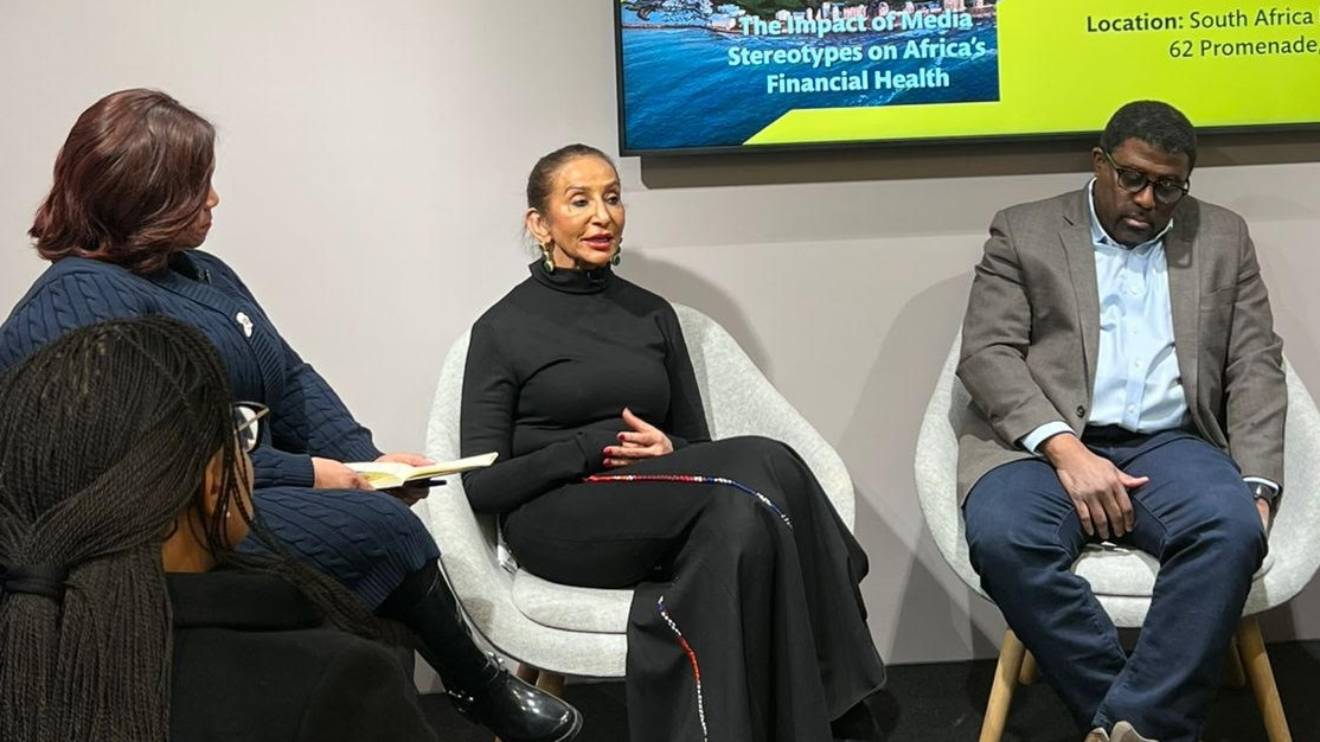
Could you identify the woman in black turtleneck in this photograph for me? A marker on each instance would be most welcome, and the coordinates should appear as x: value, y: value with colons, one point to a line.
x: 747, y: 622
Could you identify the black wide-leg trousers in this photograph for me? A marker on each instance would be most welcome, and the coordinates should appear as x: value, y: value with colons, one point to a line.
x: 747, y: 623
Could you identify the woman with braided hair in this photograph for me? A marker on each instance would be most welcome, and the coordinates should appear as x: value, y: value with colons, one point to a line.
x: 124, y: 481
x: 131, y: 202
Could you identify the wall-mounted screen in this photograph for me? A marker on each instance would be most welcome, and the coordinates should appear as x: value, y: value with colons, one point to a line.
x: 704, y: 75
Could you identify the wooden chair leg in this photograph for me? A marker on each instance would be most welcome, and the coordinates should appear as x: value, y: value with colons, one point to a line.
x: 529, y: 674
x: 1257, y: 665
x: 552, y: 683
x: 1234, y: 675
x: 1001, y: 693
x: 1030, y: 670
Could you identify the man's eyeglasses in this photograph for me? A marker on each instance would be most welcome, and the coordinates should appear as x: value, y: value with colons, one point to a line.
x: 247, y: 422
x: 1167, y: 190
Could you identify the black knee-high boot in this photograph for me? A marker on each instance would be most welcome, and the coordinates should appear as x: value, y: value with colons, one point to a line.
x: 479, y: 686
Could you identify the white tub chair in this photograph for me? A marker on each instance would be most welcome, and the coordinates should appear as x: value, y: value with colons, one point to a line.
x: 1123, y: 579
x: 556, y: 630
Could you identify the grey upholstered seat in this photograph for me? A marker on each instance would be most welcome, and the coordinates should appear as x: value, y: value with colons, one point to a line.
x: 1123, y: 579
x: 580, y: 631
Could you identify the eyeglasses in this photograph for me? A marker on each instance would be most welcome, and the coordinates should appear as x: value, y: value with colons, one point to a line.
x: 247, y: 423
x: 1167, y: 190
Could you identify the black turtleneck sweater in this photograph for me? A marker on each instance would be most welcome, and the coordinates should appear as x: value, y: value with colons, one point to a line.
x: 549, y: 370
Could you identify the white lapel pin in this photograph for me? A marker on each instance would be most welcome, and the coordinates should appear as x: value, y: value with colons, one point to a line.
x: 245, y: 322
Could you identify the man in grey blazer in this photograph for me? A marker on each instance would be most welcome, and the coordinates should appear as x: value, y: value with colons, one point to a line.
x: 1128, y: 387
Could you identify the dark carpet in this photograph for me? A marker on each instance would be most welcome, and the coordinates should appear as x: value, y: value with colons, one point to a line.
x: 945, y: 702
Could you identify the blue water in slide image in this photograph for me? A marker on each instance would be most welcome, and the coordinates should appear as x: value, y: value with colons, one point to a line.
x: 680, y: 91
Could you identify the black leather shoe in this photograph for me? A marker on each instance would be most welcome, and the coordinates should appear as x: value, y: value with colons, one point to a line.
x: 518, y: 712
x: 480, y: 687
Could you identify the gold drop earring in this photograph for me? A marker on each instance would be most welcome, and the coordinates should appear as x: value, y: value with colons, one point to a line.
x: 549, y: 261
x: 617, y: 257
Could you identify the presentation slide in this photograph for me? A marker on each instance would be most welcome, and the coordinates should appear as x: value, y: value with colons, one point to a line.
x: 698, y: 75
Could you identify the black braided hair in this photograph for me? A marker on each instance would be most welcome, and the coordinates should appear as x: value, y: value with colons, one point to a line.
x: 105, y: 436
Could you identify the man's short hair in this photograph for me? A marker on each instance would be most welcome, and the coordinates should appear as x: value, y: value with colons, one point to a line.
x: 1155, y: 123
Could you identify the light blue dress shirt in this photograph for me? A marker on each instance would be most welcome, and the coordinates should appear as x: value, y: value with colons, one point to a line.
x: 1138, y: 385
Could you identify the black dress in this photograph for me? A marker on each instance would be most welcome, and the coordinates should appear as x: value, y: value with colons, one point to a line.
x: 254, y: 662
x: 747, y: 622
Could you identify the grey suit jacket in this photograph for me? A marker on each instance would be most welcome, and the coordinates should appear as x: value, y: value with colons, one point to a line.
x: 1032, y: 331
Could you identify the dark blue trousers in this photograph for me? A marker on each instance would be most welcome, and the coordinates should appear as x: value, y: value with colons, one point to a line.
x: 1196, y: 516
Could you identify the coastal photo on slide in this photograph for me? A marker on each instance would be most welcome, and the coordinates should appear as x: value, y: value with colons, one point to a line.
x: 702, y: 73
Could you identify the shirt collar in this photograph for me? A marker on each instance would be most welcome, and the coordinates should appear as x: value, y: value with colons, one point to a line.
x: 1100, y: 237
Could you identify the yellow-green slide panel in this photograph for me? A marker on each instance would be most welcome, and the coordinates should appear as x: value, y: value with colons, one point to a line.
x: 1065, y: 65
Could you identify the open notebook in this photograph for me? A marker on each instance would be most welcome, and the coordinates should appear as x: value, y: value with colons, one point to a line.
x: 386, y: 474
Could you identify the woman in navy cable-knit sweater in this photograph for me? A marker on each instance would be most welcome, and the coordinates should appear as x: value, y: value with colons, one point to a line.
x: 131, y: 201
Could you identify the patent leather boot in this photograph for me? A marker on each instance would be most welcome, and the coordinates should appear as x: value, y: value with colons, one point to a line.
x: 478, y: 684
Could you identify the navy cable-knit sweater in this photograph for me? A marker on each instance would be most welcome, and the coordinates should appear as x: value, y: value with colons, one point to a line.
x: 307, y: 417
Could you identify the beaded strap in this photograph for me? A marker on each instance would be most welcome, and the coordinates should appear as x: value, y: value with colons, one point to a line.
x: 694, y: 479
x: 692, y: 660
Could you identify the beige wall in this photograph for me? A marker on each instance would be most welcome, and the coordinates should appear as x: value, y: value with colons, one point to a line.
x: 371, y: 162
